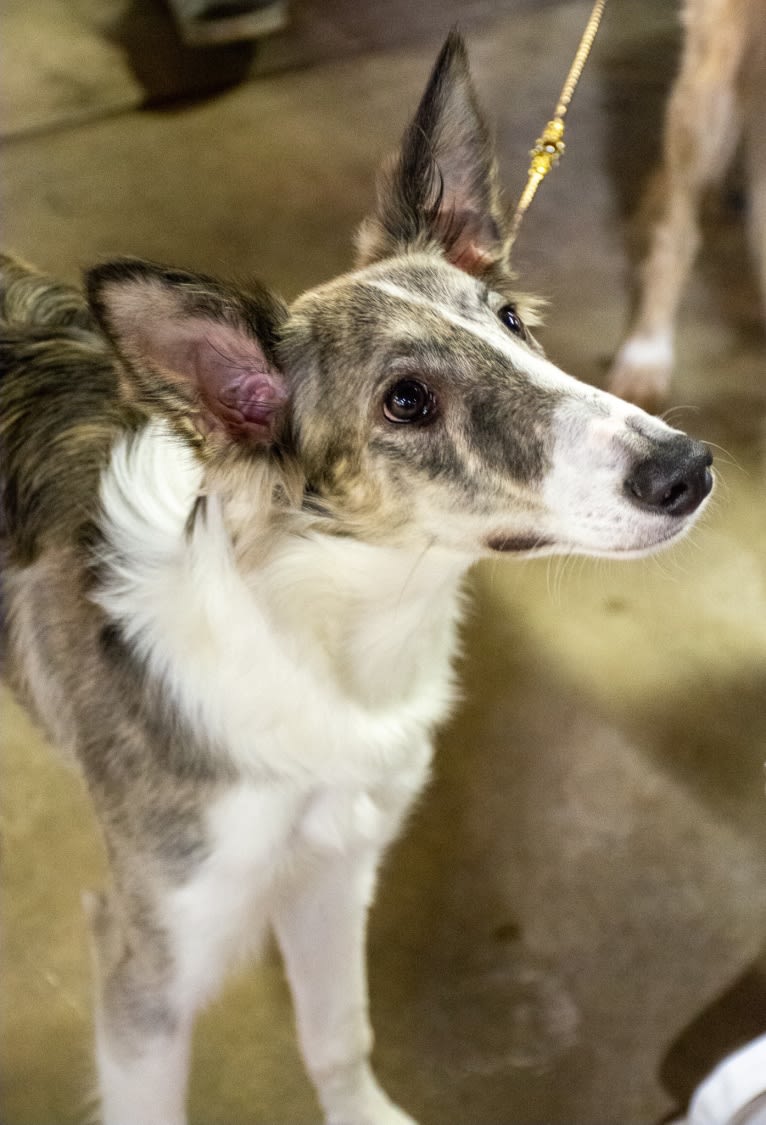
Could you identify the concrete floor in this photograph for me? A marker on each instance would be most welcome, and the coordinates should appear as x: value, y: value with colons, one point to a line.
x: 575, y: 923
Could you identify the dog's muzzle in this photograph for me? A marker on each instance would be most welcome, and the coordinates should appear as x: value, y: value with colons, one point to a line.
x: 674, y: 479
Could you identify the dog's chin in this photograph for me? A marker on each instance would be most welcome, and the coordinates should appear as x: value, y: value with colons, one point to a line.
x: 648, y: 545
x: 637, y: 550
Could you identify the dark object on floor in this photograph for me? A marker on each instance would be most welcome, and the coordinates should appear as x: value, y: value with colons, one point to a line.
x: 203, y: 22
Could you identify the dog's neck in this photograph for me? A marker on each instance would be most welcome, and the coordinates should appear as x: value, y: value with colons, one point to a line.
x: 377, y: 624
x: 381, y: 620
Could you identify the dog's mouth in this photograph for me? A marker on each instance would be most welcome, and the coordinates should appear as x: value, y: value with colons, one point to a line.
x: 518, y: 544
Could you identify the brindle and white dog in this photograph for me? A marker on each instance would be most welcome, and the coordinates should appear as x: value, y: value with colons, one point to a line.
x: 236, y: 534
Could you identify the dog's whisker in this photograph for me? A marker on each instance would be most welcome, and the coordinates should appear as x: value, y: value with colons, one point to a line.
x: 673, y: 412
x: 415, y: 566
x: 725, y: 455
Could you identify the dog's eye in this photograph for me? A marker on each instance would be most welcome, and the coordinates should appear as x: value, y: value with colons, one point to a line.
x: 511, y: 319
x: 409, y: 400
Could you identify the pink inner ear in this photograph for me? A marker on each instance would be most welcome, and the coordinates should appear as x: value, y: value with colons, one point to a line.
x: 241, y: 391
x: 251, y: 398
x: 466, y: 251
x: 469, y: 258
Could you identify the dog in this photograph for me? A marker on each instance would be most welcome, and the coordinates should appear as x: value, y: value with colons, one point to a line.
x: 716, y: 99
x: 236, y: 534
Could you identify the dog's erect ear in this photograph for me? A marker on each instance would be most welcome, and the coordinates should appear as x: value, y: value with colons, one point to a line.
x: 193, y: 348
x: 442, y: 186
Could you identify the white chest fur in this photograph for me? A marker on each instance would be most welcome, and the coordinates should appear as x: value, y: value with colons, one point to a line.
x: 326, y: 665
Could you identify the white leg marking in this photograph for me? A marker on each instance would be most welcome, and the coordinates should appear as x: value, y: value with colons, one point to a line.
x: 321, y: 926
x: 647, y: 351
x: 148, y: 1087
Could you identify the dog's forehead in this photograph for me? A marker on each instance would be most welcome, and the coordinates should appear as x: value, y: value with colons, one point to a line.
x: 426, y: 278
x: 415, y: 279
x: 410, y: 300
x: 424, y: 293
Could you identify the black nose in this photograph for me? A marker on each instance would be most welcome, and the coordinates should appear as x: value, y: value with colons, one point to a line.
x: 675, y: 479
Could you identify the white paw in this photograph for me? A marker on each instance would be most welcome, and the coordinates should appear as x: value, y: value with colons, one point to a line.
x: 366, y: 1104
x: 384, y: 1114
x: 641, y: 371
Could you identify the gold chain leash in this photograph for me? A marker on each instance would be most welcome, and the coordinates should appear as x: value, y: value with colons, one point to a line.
x: 550, y: 146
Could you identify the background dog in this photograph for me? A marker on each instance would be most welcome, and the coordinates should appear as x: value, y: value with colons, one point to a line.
x: 236, y: 537
x: 716, y: 99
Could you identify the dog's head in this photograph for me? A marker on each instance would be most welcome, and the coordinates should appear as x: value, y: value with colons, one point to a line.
x: 409, y: 396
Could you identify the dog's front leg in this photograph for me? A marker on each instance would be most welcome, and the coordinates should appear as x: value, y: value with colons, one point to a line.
x: 320, y: 923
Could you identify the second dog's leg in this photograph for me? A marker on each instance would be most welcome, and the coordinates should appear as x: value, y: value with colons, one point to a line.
x: 701, y: 131
x: 755, y: 156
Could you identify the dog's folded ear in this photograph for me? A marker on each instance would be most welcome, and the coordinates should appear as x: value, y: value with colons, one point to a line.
x: 441, y: 188
x: 193, y: 348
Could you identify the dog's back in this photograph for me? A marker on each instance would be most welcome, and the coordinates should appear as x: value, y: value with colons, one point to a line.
x: 59, y: 410
x: 30, y: 301
x: 60, y: 414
